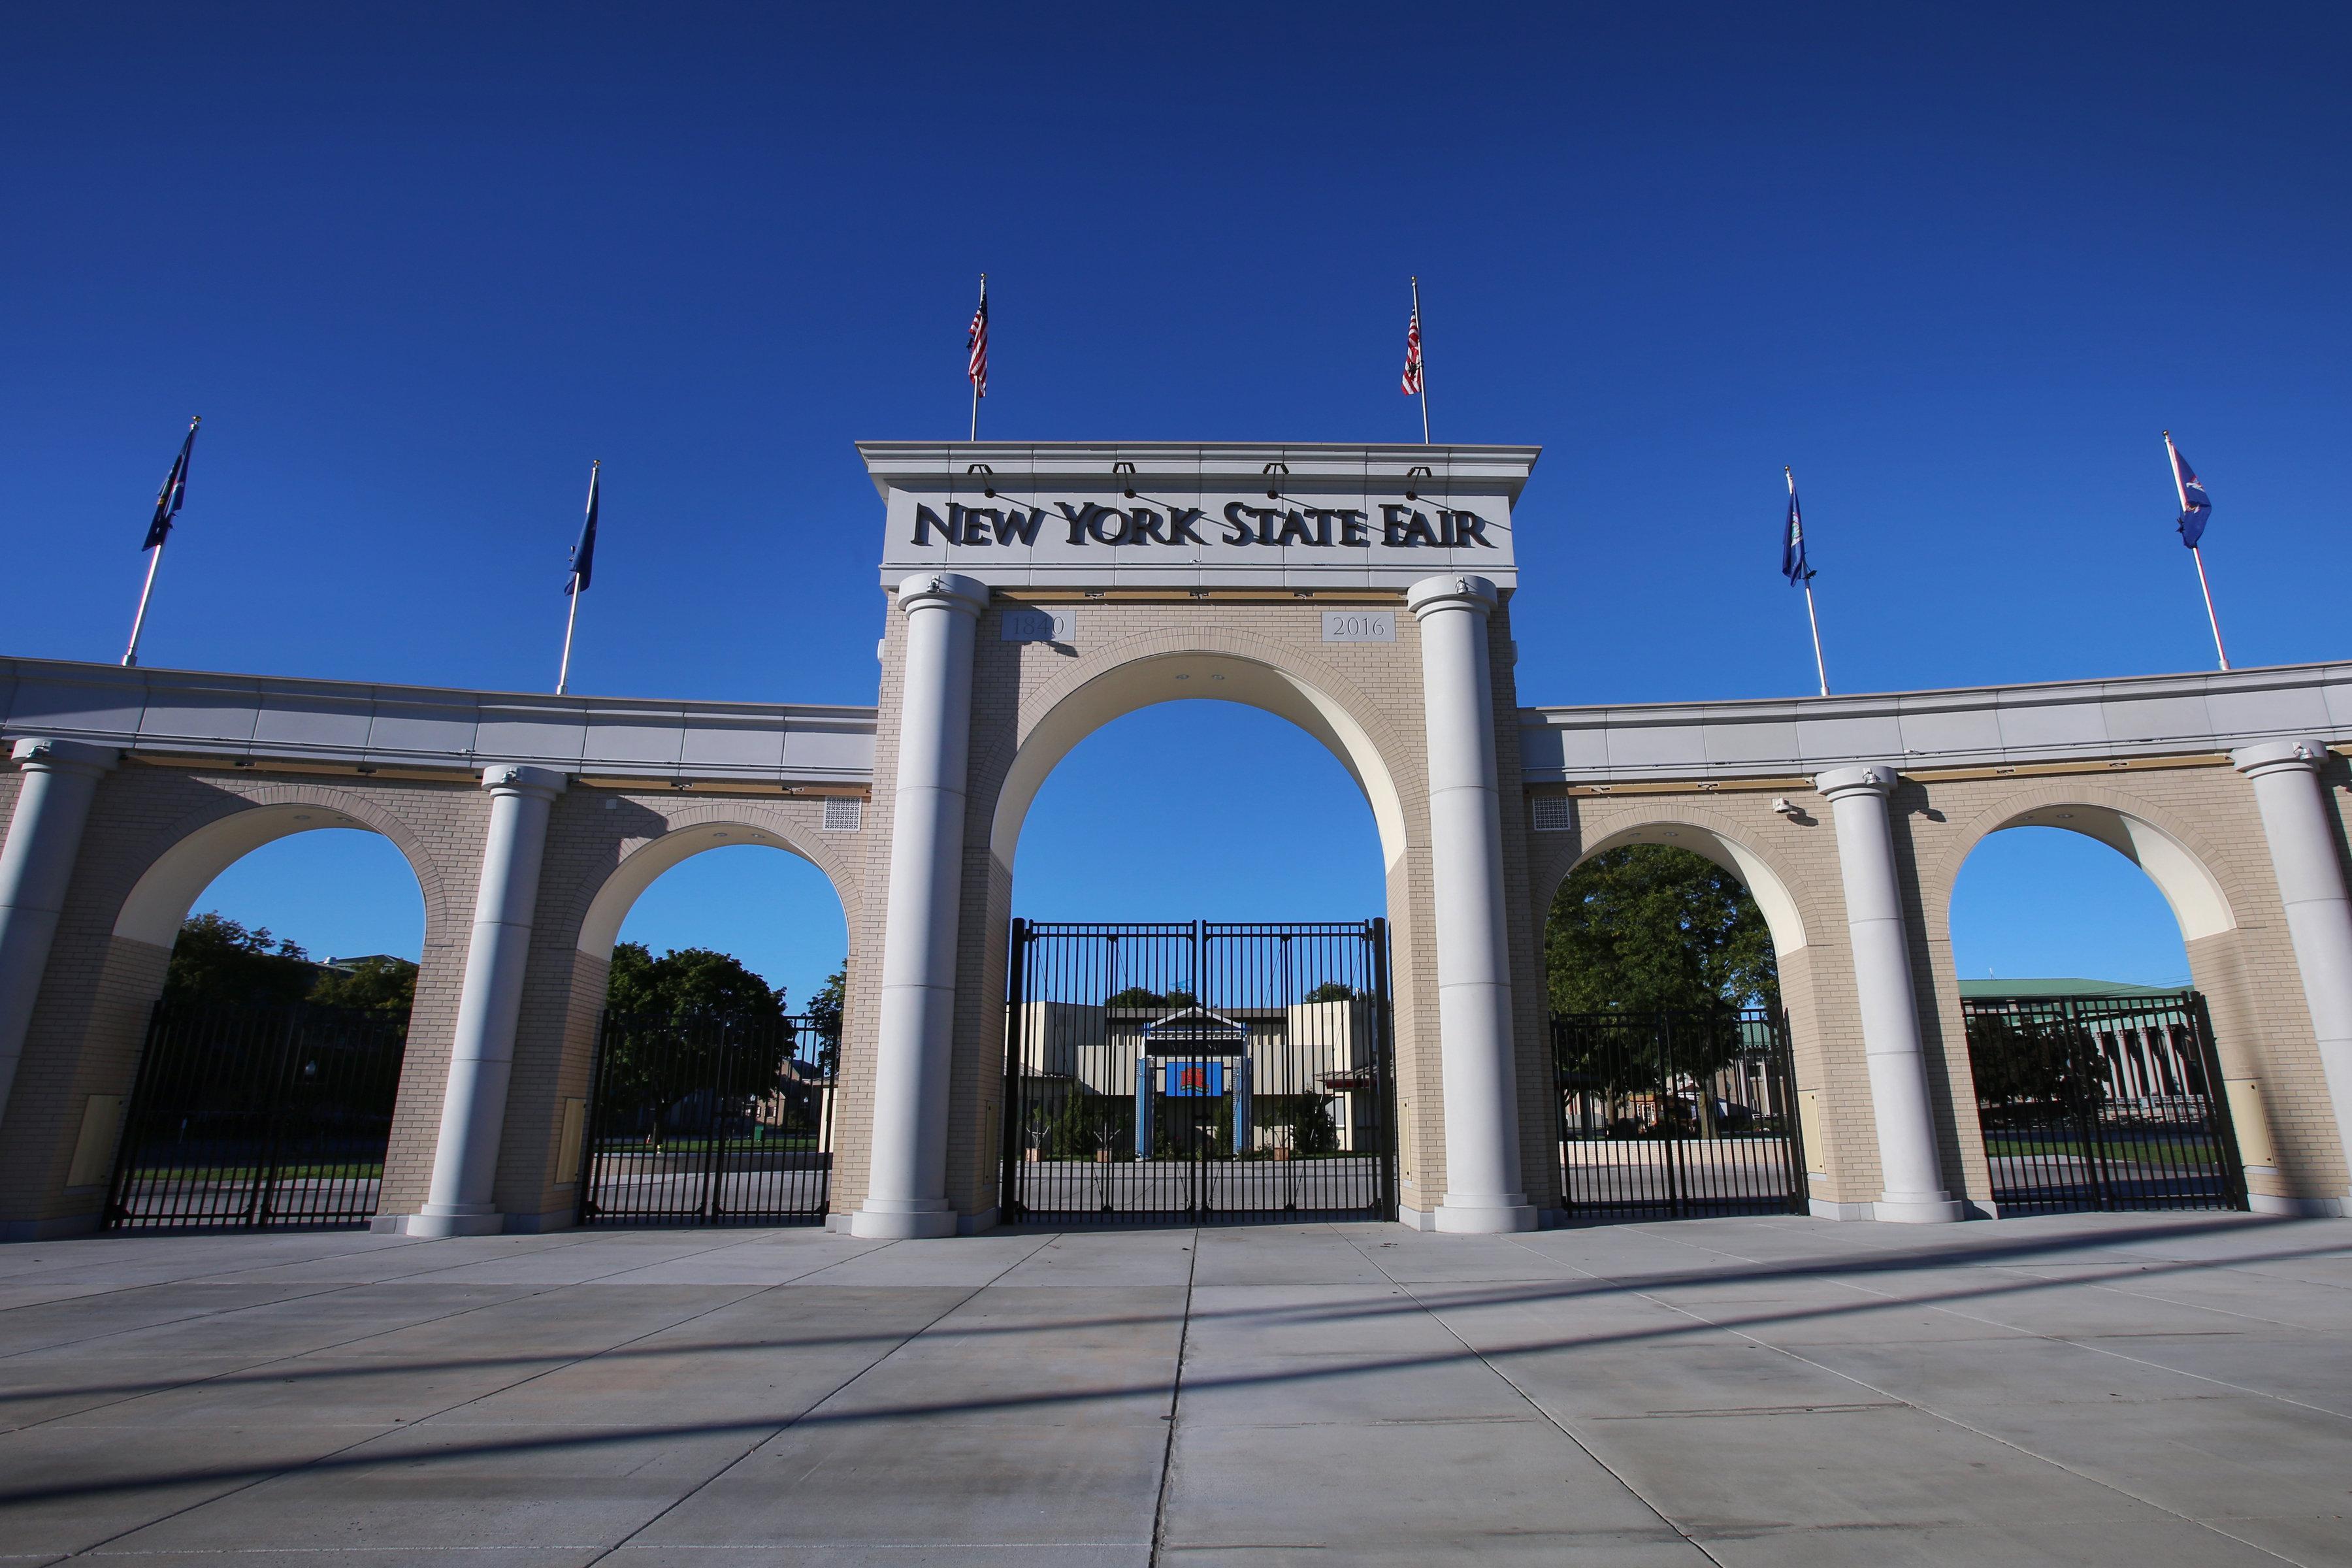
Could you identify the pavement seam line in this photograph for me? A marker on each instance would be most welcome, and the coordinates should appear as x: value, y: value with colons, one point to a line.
x: 1175, y: 1396
x: 1550, y: 1420
x: 816, y: 1404
x: 1936, y: 1415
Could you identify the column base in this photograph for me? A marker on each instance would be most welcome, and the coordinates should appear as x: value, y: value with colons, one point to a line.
x: 1829, y: 1208
x: 443, y: 1220
x: 1918, y: 1208
x: 904, y: 1221
x: 1498, y: 1215
x: 2299, y: 1208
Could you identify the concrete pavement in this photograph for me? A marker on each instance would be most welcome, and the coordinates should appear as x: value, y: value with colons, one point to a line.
x: 2146, y: 1390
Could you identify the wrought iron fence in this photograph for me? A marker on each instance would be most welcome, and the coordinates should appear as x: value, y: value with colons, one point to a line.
x: 1194, y: 1071
x: 1678, y: 1115
x: 706, y: 1120
x: 2102, y: 1103
x: 250, y: 1118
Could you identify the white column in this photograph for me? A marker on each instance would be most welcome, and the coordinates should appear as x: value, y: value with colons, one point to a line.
x: 2301, y: 825
x: 1911, y: 1175
x: 1477, y: 1043
x: 481, y: 1057
x: 35, y: 864
x: 906, y: 1179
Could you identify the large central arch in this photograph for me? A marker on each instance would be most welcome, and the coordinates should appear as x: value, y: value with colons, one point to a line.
x: 1210, y: 674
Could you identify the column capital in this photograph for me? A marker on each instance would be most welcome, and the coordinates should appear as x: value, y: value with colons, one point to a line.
x: 516, y: 778
x: 2303, y: 754
x: 1873, y: 778
x: 1452, y: 591
x: 39, y: 753
x: 952, y: 589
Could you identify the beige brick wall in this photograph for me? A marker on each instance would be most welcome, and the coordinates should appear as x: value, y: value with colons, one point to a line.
x: 591, y: 835
x: 1016, y: 686
x: 89, y: 1020
x: 2248, y: 973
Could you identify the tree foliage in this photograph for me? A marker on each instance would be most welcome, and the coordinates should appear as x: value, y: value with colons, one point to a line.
x: 381, y: 983
x: 689, y: 982
x: 218, y: 959
x: 1648, y: 927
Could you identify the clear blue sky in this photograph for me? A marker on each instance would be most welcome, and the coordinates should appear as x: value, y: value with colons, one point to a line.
x: 418, y: 265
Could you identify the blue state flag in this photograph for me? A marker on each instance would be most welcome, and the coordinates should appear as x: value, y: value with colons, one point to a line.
x: 584, y: 554
x: 1793, y: 540
x: 2196, y: 506
x: 174, y: 490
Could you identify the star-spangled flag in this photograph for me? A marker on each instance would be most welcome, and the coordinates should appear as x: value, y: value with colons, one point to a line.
x: 584, y: 554
x: 976, y: 345
x: 1412, y: 381
x: 2196, y: 506
x: 1792, y: 539
x: 174, y: 490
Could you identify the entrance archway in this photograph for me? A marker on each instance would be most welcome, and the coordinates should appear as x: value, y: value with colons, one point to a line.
x: 1675, y: 1089
x: 268, y: 1081
x: 710, y: 1094
x: 2098, y: 1091
x: 1197, y: 1068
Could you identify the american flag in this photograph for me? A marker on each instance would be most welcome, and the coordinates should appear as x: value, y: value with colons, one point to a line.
x: 976, y: 340
x: 1412, y: 354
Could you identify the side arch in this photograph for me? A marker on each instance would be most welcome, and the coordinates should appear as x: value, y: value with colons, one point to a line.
x: 1680, y: 827
x: 2171, y: 853
x: 689, y: 832
x: 183, y: 859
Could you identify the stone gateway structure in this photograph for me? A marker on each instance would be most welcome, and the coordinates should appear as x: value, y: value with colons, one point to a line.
x: 1035, y: 593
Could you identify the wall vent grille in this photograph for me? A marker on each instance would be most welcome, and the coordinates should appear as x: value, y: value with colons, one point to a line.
x: 844, y: 814
x: 1554, y: 813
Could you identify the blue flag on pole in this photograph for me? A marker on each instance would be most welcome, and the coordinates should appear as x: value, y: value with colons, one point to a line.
x: 174, y: 490
x: 1792, y: 539
x: 2196, y: 506
x: 584, y: 554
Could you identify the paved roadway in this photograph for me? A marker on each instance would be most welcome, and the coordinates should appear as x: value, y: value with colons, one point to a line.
x: 2078, y: 1389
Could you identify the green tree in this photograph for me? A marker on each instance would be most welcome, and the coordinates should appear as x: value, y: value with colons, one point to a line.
x: 218, y: 959
x: 1648, y: 927
x: 826, y: 1010
x: 689, y: 982
x: 380, y: 984
x: 674, y: 1018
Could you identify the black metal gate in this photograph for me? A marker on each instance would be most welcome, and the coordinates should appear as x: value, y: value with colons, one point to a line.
x: 249, y: 1118
x: 1678, y: 1115
x: 700, y: 1121
x: 2102, y: 1103
x: 1212, y: 1073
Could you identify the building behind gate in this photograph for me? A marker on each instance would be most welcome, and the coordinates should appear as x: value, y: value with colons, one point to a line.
x: 1035, y: 593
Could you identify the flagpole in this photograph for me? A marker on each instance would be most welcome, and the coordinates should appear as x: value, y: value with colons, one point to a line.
x: 1820, y: 669
x: 139, y: 621
x: 571, y: 619
x: 1424, y: 362
x: 2172, y: 459
x: 975, y: 381
x: 2210, y: 618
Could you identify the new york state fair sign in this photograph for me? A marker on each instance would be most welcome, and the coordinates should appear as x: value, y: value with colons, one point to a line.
x: 1108, y: 515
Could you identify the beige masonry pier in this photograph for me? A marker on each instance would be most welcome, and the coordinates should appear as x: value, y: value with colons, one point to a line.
x: 36, y: 862
x: 906, y: 1193
x: 1032, y: 594
x: 1899, y: 1096
x: 481, y: 1057
x: 1483, y: 1190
